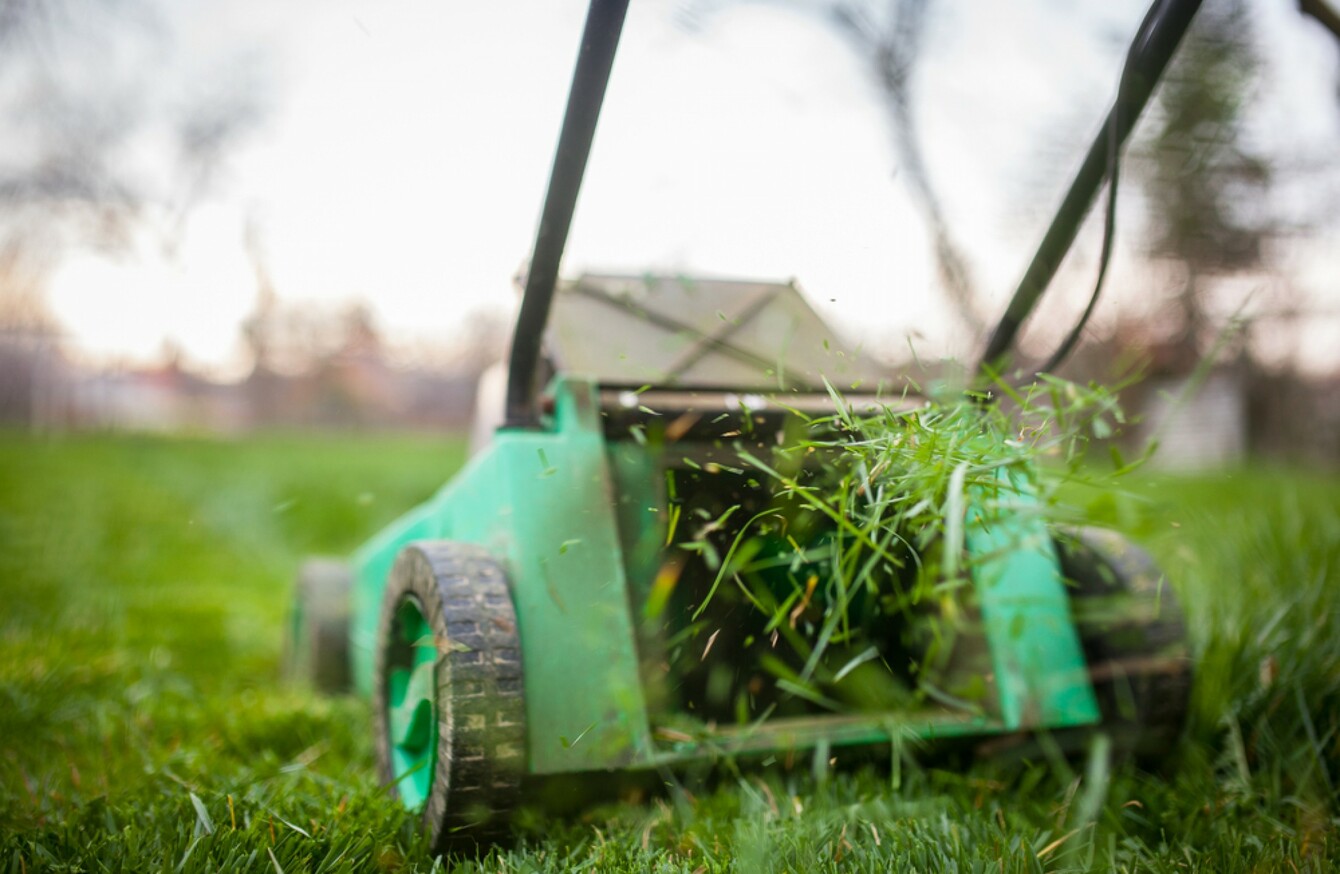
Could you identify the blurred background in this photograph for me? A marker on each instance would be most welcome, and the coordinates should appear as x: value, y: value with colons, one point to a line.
x: 236, y: 217
x: 254, y: 257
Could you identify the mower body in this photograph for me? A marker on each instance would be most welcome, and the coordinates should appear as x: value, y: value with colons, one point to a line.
x: 581, y: 515
x: 576, y: 599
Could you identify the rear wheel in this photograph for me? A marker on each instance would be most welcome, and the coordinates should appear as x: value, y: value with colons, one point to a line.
x: 318, y: 645
x: 1134, y: 639
x: 449, y: 708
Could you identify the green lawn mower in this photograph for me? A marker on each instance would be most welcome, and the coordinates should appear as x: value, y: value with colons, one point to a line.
x: 633, y: 575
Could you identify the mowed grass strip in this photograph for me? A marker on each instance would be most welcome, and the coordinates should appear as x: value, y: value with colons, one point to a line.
x: 144, y: 585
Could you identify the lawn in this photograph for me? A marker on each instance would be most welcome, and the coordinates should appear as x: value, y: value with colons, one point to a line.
x: 144, y: 724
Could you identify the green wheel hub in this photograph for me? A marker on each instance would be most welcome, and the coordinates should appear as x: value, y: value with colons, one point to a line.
x: 412, y: 704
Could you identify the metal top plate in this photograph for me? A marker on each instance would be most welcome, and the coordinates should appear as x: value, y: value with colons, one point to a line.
x: 670, y: 331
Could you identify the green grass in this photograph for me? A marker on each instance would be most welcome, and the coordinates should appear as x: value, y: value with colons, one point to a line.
x: 143, y: 724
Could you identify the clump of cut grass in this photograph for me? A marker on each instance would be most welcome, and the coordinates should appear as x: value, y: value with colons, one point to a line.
x: 872, y: 515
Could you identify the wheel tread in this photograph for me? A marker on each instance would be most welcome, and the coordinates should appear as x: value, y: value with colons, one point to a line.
x: 482, y: 729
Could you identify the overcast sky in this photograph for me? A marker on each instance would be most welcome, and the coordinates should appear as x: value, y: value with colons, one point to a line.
x: 406, y: 146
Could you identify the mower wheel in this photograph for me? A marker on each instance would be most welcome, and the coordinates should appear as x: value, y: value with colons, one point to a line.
x: 450, y: 717
x: 318, y: 645
x: 1134, y: 640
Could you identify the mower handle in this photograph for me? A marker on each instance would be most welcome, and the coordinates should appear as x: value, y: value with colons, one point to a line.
x: 604, y: 23
x: 1158, y: 37
x: 1162, y: 29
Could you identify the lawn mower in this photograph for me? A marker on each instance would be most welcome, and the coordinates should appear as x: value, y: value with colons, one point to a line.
x: 616, y: 583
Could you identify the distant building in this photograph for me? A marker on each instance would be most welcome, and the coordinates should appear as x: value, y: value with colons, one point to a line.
x: 166, y: 398
x: 1198, y: 426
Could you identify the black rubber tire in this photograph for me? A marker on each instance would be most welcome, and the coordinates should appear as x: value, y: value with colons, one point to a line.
x: 1134, y: 639
x: 318, y: 645
x: 481, y: 743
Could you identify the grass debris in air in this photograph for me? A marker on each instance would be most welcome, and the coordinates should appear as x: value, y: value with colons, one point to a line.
x: 858, y: 556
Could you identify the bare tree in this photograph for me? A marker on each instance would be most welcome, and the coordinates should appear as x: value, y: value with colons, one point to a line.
x: 889, y: 34
x: 1208, y: 191
x: 99, y: 142
x: 94, y: 130
x: 891, y: 38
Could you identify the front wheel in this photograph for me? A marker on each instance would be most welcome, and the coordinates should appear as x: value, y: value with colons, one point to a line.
x: 449, y: 709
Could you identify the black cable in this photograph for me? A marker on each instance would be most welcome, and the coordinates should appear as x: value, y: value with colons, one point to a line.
x: 1113, y: 172
x: 1155, y: 42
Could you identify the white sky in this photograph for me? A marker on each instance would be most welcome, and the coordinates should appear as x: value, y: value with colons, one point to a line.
x: 408, y: 145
